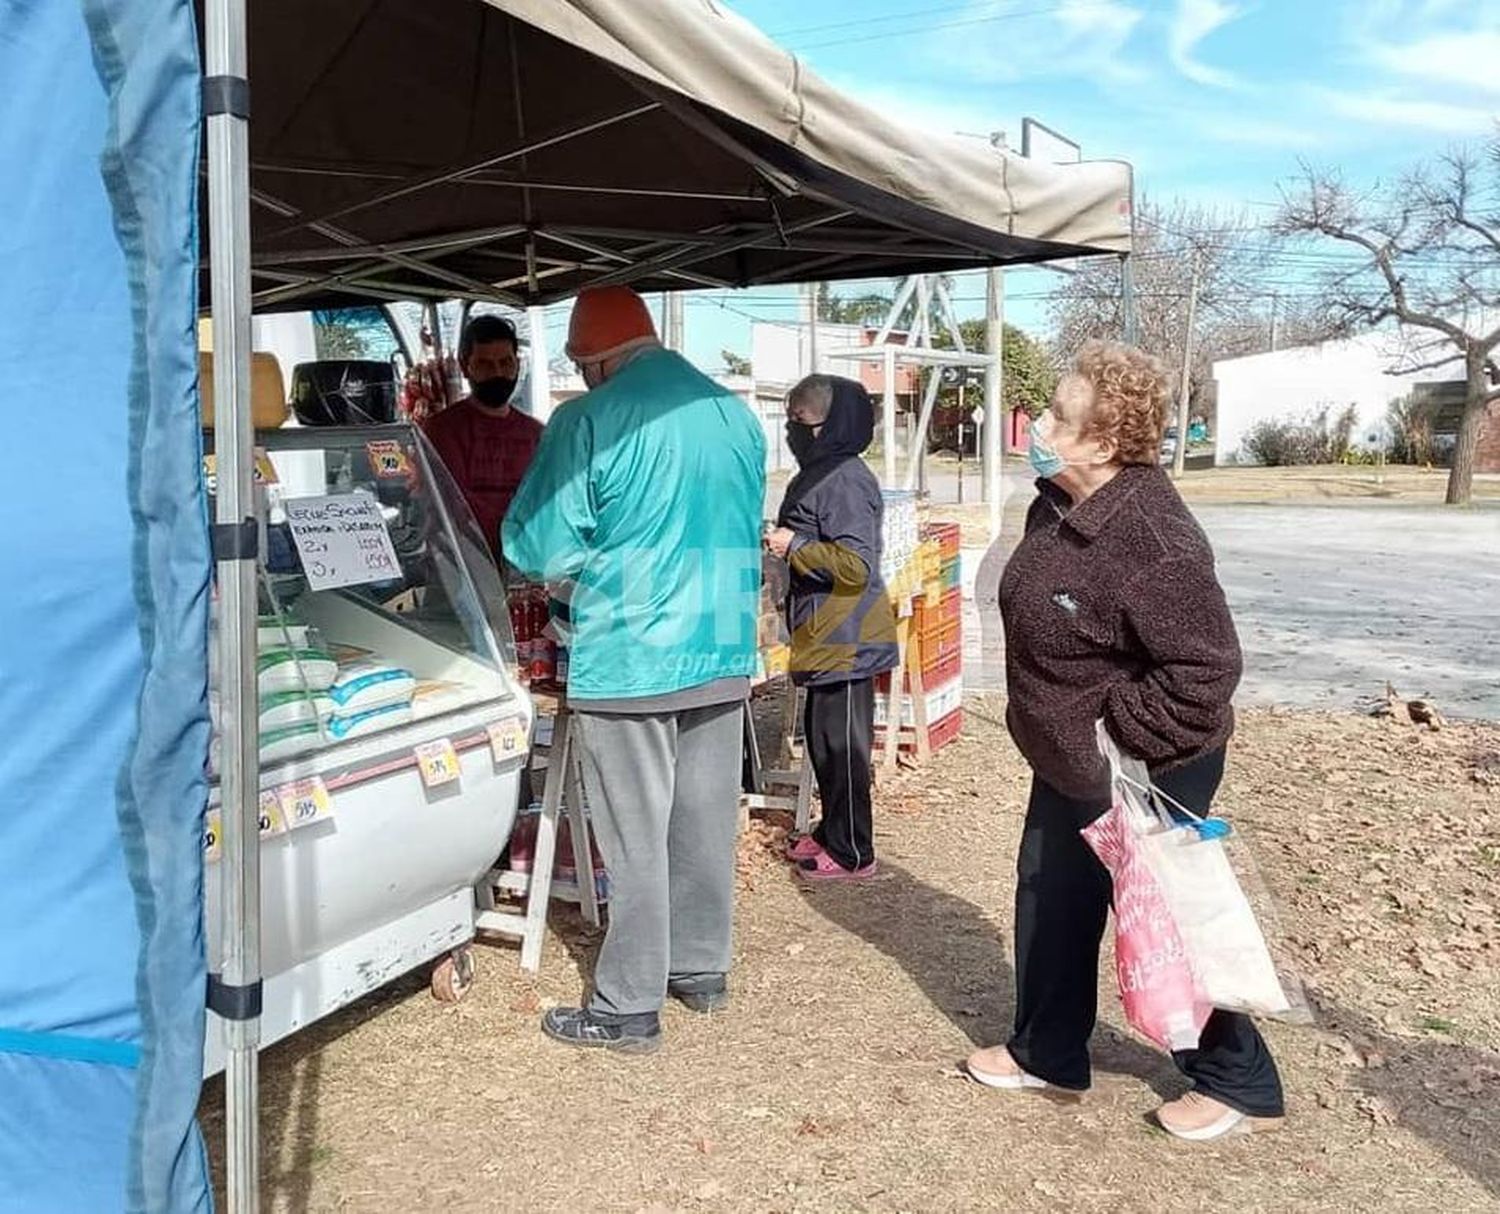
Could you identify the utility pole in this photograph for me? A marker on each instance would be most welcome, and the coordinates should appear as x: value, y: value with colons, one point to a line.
x: 674, y: 321
x: 810, y: 318
x: 1179, y: 456
x: 1130, y: 318
x: 1275, y: 308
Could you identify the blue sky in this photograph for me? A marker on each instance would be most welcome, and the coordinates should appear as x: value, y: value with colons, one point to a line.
x: 1214, y: 101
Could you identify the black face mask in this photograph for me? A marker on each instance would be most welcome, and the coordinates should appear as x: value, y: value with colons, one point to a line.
x: 800, y: 440
x: 495, y: 392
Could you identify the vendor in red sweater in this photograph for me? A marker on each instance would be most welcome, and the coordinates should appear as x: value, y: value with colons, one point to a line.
x: 485, y: 443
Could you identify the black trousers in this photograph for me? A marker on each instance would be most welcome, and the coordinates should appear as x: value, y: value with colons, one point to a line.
x: 1062, y: 905
x: 839, y: 724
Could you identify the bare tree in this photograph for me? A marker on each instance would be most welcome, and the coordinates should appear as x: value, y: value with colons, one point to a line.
x: 1429, y: 260
x: 1239, y: 309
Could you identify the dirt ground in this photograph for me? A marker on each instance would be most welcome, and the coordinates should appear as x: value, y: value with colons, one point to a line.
x: 830, y: 1084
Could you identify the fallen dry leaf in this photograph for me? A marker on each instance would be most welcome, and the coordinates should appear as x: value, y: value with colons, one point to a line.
x: 1377, y: 1110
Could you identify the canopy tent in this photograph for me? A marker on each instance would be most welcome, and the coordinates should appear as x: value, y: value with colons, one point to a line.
x: 514, y: 150
x: 520, y: 150
x: 103, y: 626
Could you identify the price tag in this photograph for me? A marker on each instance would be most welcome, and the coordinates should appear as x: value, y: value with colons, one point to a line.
x: 388, y: 458
x: 272, y: 819
x: 304, y: 802
x: 438, y: 763
x: 265, y: 471
x: 507, y: 738
x: 213, y: 836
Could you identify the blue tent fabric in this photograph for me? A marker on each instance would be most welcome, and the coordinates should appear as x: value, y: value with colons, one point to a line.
x: 103, y: 625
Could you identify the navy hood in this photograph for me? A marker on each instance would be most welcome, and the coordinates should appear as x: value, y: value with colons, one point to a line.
x: 849, y: 430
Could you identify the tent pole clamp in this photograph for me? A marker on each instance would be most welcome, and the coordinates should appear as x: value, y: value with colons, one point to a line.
x: 234, y: 1002
x: 236, y: 541
x: 226, y: 95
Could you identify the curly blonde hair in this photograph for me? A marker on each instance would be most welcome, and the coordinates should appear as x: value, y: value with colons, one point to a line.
x: 1130, y: 398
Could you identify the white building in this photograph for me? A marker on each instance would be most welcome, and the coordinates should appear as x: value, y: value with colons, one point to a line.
x: 1290, y: 384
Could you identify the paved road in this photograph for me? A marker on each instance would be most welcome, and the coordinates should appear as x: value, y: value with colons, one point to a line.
x: 1332, y: 601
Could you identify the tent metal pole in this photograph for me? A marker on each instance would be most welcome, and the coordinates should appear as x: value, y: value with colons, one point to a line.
x: 994, y: 423
x: 888, y: 419
x: 235, y: 990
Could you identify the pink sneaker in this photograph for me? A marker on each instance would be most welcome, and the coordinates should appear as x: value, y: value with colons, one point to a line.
x: 823, y: 867
x: 804, y: 848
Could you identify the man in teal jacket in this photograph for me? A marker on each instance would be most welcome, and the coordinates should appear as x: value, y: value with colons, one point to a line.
x: 646, y: 495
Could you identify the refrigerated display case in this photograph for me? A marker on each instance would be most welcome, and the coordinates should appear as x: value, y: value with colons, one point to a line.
x: 394, y: 729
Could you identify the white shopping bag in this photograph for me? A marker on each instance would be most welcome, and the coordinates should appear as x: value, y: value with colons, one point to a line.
x: 1225, y: 946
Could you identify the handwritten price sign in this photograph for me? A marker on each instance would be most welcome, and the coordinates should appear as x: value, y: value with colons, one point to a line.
x: 304, y: 802
x: 507, y: 738
x: 342, y: 540
x: 438, y: 763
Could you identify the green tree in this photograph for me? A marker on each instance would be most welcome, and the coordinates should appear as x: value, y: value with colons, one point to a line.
x: 867, y: 309
x: 735, y: 364
x: 1028, y: 376
x: 339, y: 341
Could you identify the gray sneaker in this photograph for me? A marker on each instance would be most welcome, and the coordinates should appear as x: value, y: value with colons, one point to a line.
x: 588, y: 1029
x: 700, y: 992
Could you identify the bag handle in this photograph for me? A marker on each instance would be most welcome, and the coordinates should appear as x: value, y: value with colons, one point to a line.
x: 1207, y: 828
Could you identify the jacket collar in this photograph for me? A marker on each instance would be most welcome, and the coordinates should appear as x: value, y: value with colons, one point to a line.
x: 1090, y: 517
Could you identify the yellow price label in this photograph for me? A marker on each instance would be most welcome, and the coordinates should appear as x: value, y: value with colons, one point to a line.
x: 272, y: 819
x: 438, y: 763
x: 213, y: 836
x: 507, y: 738
x: 265, y: 470
x: 304, y: 802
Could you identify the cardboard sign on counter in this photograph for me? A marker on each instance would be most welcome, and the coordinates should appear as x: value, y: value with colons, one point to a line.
x: 342, y: 540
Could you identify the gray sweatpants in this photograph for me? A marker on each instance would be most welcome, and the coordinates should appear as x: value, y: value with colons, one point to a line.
x: 663, y: 791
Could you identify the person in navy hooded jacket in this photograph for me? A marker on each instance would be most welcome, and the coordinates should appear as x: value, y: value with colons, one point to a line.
x: 842, y: 626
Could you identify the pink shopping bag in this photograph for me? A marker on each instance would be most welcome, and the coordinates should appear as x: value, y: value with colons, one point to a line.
x: 1157, y: 987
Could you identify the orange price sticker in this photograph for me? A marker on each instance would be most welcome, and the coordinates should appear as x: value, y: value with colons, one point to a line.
x: 304, y: 802
x: 438, y: 763
x: 388, y: 458
x: 507, y: 738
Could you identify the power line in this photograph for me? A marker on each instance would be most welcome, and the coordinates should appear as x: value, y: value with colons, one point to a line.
x: 905, y: 15
x: 944, y: 25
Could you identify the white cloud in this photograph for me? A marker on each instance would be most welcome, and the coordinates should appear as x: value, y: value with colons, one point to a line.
x: 1194, y: 21
x: 1076, y: 38
x: 1256, y: 132
x: 1469, y: 58
x: 1386, y: 109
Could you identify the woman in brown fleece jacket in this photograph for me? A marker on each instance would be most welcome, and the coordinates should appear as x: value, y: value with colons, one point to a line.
x: 1112, y: 611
